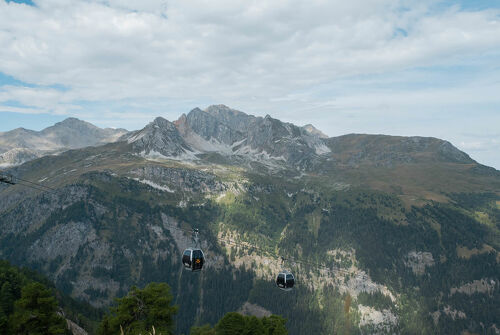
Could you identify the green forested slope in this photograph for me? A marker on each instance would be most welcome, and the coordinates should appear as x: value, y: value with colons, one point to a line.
x: 409, y: 266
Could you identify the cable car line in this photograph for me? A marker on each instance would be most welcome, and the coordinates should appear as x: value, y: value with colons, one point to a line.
x: 264, y: 251
x: 7, y: 178
x: 36, y: 184
x: 33, y: 187
x: 11, y: 180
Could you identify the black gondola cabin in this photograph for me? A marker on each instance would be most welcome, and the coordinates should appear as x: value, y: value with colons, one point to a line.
x: 285, y: 280
x: 193, y: 259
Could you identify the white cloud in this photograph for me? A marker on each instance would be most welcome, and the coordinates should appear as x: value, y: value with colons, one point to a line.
x: 225, y: 48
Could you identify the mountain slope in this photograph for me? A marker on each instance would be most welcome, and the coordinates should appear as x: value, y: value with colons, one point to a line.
x: 410, y: 225
x: 20, y: 145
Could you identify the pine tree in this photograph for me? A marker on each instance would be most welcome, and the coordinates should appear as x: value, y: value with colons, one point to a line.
x: 35, y: 312
x: 231, y: 324
x: 236, y: 324
x: 275, y: 325
x: 254, y: 326
x: 4, y: 323
x: 7, y: 298
x: 203, y: 330
x: 140, y: 310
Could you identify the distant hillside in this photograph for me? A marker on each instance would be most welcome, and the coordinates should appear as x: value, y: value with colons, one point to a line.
x: 20, y: 145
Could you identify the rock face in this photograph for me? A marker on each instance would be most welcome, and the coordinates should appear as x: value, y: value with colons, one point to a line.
x: 232, y: 118
x: 314, y: 131
x: 21, y: 145
x: 218, y: 126
x: 283, y: 141
x: 231, y: 133
x: 159, y: 138
x: 252, y: 309
x: 180, y: 179
x: 418, y: 261
x: 17, y: 156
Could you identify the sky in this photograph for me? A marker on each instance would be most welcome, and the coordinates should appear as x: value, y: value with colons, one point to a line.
x: 396, y: 67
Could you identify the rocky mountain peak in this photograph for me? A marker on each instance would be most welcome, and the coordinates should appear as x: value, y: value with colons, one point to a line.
x: 161, y: 122
x: 71, y: 120
x: 72, y: 123
x: 314, y: 131
x: 17, y: 132
x: 232, y: 118
x: 159, y: 138
x: 213, y: 127
x: 20, y: 145
x: 222, y: 109
x: 181, y: 121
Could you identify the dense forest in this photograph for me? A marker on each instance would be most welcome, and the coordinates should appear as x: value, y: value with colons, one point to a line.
x: 28, y: 305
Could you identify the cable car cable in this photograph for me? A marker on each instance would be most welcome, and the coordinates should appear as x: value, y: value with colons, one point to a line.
x: 36, y: 184
x: 269, y: 253
x: 12, y: 180
x: 33, y: 187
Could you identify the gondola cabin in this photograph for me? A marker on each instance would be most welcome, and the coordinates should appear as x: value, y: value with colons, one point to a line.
x: 193, y: 259
x: 285, y: 280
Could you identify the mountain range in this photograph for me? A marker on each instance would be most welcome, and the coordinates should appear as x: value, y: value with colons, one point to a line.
x: 21, y: 145
x: 408, y: 226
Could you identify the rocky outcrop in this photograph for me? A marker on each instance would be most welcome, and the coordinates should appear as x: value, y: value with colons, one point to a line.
x: 159, y: 138
x: 178, y: 179
x: 18, y: 156
x: 418, y: 261
x: 485, y: 286
x: 253, y: 309
x: 378, y: 322
x: 314, y: 131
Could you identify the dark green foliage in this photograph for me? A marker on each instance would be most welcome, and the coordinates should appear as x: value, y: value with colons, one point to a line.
x: 13, y: 280
x: 7, y: 298
x: 275, y: 325
x: 302, y: 310
x: 203, y: 330
x: 35, y: 312
x: 140, y: 310
x: 236, y: 324
x: 231, y: 324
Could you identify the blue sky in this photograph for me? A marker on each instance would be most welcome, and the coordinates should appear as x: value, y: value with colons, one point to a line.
x: 426, y: 68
